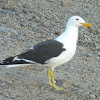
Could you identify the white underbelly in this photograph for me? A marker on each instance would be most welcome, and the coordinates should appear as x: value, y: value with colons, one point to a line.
x: 64, y: 57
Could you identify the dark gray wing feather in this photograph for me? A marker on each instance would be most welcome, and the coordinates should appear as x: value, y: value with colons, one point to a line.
x: 39, y: 54
x: 43, y: 51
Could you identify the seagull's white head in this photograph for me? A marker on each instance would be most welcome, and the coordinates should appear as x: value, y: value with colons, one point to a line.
x: 77, y: 22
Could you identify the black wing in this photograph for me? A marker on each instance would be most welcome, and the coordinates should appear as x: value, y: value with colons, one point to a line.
x: 43, y: 51
x: 39, y: 54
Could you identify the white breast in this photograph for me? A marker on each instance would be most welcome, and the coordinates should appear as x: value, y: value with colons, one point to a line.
x: 64, y: 57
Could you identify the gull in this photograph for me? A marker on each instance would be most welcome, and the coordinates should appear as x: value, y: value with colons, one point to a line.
x: 51, y: 53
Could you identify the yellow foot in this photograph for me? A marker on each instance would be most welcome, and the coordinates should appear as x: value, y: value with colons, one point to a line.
x: 50, y: 84
x: 51, y: 80
x: 58, y: 88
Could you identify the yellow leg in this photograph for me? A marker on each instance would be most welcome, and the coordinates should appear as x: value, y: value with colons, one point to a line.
x: 49, y: 76
x: 53, y: 83
x: 51, y: 80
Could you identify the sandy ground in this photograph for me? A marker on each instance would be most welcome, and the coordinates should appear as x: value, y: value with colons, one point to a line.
x: 24, y: 23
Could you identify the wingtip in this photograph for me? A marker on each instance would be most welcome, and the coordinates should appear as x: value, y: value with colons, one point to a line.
x: 2, y: 63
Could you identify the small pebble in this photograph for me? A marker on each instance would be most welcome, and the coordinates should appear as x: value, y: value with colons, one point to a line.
x: 64, y: 4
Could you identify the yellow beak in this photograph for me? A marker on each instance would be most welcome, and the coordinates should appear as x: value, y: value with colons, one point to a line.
x: 87, y: 25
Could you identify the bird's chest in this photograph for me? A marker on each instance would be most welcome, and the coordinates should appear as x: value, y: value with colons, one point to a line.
x: 68, y: 54
x: 64, y: 57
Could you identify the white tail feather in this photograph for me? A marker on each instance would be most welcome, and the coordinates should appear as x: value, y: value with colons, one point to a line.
x: 16, y: 65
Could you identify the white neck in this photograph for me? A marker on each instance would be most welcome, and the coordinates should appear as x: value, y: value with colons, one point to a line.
x: 70, y: 35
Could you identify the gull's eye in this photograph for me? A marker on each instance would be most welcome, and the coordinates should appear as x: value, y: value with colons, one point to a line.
x: 77, y: 19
